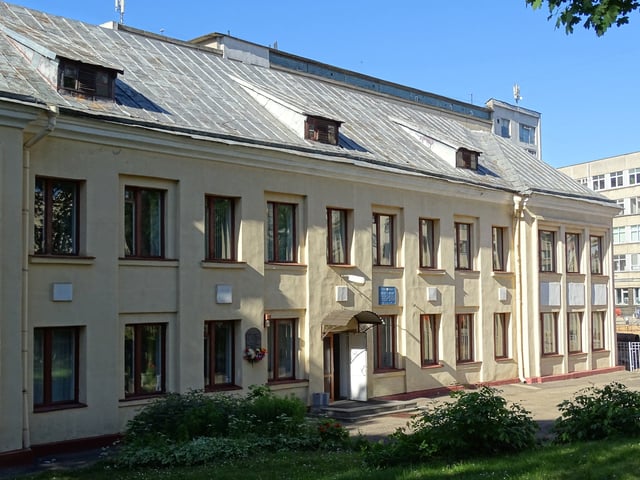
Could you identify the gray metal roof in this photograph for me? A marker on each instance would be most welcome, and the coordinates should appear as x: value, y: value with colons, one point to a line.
x: 173, y: 85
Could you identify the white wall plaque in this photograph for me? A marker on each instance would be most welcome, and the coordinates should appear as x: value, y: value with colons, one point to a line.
x: 224, y: 294
x: 62, y: 292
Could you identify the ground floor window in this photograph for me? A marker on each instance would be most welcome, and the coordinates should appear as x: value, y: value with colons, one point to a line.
x: 144, y: 359
x: 55, y: 366
x: 501, y: 335
x: 597, y: 330
x: 281, y: 349
x: 464, y: 337
x: 219, y: 354
x: 549, y: 333
x: 384, y: 335
x: 429, y: 339
x: 574, y: 328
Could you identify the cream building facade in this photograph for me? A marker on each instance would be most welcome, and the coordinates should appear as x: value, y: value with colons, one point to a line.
x: 168, y: 213
x: 618, y: 178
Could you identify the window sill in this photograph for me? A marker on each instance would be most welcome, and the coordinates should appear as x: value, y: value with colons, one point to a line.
x: 389, y: 372
x: 469, y: 364
x: 141, y: 399
x: 470, y: 273
x: 502, y: 273
x: 577, y: 354
x: 147, y: 262
x: 388, y: 268
x: 221, y: 388
x: 54, y: 408
x: 284, y: 266
x: 341, y: 265
x: 552, y: 355
x: 432, y: 366
x: 505, y: 360
x: 431, y: 271
x: 276, y: 385
x: 61, y: 259
x: 233, y: 265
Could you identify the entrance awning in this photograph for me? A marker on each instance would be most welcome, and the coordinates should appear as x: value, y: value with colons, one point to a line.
x: 348, y: 320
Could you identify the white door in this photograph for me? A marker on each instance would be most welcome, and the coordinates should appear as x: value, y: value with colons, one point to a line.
x: 358, y: 367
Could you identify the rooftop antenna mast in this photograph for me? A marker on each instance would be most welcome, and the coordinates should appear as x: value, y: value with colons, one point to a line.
x: 120, y: 10
x: 516, y: 92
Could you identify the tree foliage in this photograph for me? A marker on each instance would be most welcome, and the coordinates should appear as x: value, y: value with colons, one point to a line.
x: 597, y: 14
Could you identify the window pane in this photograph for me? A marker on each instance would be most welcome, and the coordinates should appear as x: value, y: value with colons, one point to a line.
x: 596, y: 256
x: 547, y: 246
x: 597, y: 332
x: 384, y: 341
x: 280, y: 232
x: 337, y: 236
x: 575, y: 332
x: 427, y: 251
x: 386, y: 240
x: 220, y: 229
x: 429, y: 340
x: 63, y: 221
x: 129, y: 223
x: 573, y: 252
x: 38, y: 366
x: 39, y: 217
x: 498, y: 248
x: 151, y: 356
x: 500, y: 335
x: 463, y: 246
x: 63, y: 373
x: 549, y: 333
x: 151, y: 223
x: 464, y: 335
x: 285, y: 349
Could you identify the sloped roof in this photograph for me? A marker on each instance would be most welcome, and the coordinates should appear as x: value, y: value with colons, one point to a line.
x: 173, y: 85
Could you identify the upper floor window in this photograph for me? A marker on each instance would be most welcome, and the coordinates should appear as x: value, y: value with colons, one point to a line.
x: 634, y: 233
x: 620, y: 202
x: 462, y: 245
x: 337, y: 236
x: 144, y: 359
x: 467, y: 159
x: 503, y: 127
x: 144, y: 222
x: 321, y: 130
x: 427, y: 243
x: 619, y: 234
x: 56, y: 216
x: 597, y: 181
x: 384, y: 355
x: 220, y: 234
x: 55, y: 366
x: 549, y: 321
x: 583, y: 181
x: 634, y: 176
x: 572, y: 249
x: 464, y: 337
x: 86, y: 80
x: 219, y: 354
x: 596, y: 255
x: 281, y: 345
x: 547, y: 249
x: 281, y: 232
x: 382, y: 239
x: 616, y: 179
x: 622, y: 296
x: 619, y: 263
x: 429, y: 339
x: 634, y: 205
x: 527, y: 134
x: 498, y: 248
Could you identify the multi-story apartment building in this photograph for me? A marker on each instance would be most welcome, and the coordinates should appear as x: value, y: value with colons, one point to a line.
x: 618, y: 178
x: 168, y: 211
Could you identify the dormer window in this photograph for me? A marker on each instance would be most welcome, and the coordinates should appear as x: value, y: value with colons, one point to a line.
x: 321, y: 130
x: 86, y: 80
x: 467, y: 159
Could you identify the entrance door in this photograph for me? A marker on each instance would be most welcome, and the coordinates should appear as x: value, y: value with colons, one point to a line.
x: 358, y: 367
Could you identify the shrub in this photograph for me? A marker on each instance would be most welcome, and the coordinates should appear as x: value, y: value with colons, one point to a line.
x: 599, y: 413
x: 477, y: 423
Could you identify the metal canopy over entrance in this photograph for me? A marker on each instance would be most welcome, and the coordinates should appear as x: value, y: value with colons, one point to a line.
x: 348, y: 320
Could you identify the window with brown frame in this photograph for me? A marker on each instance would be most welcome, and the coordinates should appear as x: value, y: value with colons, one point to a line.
x: 462, y: 258
x: 56, y: 216
x: 219, y: 354
x: 281, y: 349
x: 498, y: 248
x: 547, y: 250
x: 572, y: 252
x: 464, y: 337
x: 384, y: 338
x: 144, y: 222
x: 549, y: 326
x: 429, y: 339
x: 597, y: 330
x: 427, y: 228
x: 220, y: 230
x: 144, y: 359
x: 467, y: 159
x: 56, y: 364
x: 501, y: 335
x: 574, y: 330
x: 337, y: 236
x: 86, y: 80
x: 382, y: 240
x: 596, y: 255
x: 281, y: 232
x: 321, y: 130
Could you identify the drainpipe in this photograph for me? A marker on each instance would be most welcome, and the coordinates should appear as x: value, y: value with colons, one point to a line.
x: 52, y: 115
x: 519, y: 203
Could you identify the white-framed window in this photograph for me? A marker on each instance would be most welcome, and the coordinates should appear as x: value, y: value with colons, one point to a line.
x: 622, y: 296
x: 621, y: 203
x: 583, y: 181
x: 503, y: 127
x: 634, y: 233
x: 636, y: 296
x: 619, y: 235
x: 616, y: 179
x: 634, y: 206
x: 634, y: 263
x: 634, y: 176
x: 597, y: 182
x: 619, y: 263
x: 527, y: 134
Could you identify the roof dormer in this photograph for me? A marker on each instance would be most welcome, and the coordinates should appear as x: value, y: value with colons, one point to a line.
x: 321, y: 130
x: 82, y: 79
x: 466, y: 158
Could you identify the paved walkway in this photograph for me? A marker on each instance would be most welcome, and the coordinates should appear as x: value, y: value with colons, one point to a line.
x: 540, y: 399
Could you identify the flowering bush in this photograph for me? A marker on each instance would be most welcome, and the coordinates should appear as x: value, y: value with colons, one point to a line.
x: 254, y: 354
x: 332, y: 431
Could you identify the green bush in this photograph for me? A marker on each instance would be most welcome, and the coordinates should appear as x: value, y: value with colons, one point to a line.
x: 477, y: 423
x: 599, y: 413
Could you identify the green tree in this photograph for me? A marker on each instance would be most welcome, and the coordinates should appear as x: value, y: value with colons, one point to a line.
x: 596, y: 14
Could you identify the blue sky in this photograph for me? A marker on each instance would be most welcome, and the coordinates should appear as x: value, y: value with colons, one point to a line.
x: 585, y: 87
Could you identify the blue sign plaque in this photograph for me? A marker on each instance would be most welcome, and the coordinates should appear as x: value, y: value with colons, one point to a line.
x: 387, y: 296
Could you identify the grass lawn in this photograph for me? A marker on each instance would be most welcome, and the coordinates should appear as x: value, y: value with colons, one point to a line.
x: 610, y: 459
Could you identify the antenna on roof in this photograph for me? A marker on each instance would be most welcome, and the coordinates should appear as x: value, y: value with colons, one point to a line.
x: 516, y: 92
x: 120, y: 10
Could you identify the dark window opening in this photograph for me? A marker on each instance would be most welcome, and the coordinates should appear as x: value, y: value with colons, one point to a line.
x: 467, y: 159
x: 86, y: 80
x: 321, y: 130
